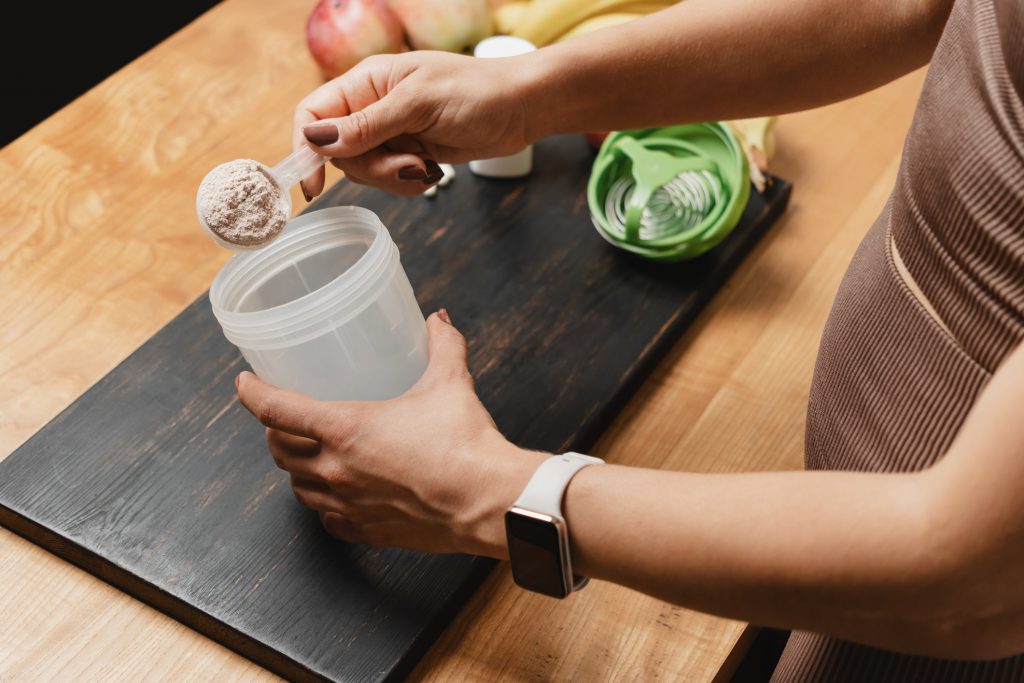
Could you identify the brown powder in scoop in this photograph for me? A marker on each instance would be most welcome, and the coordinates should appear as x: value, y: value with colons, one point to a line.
x: 242, y: 204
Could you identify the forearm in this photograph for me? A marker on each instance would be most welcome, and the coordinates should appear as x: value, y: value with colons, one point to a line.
x: 926, y: 563
x: 707, y: 60
x: 843, y: 553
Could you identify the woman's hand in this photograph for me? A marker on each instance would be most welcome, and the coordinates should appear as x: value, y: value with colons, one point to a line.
x: 389, y: 120
x: 427, y: 470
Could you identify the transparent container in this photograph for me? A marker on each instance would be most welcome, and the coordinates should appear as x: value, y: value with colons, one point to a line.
x: 326, y: 309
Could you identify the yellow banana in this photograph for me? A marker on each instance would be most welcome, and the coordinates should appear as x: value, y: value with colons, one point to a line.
x: 646, y: 6
x: 545, y: 20
x: 599, y: 22
x: 508, y: 16
x: 757, y: 136
x: 759, y: 132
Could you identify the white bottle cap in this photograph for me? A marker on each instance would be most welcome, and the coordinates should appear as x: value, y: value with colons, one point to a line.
x: 503, y: 46
x: 519, y: 164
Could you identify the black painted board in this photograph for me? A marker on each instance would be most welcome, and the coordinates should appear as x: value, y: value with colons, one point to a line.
x: 157, y: 481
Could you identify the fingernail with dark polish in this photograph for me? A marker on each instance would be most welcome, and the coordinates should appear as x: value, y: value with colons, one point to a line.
x: 443, y: 315
x: 434, y: 172
x: 412, y: 173
x: 302, y: 186
x: 321, y: 134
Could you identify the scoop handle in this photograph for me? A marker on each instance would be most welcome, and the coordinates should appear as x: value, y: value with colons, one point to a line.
x: 296, y: 166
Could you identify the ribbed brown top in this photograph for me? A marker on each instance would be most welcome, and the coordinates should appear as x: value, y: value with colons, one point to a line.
x: 892, y: 386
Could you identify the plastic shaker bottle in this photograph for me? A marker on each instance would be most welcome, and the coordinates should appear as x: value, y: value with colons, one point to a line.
x: 326, y: 309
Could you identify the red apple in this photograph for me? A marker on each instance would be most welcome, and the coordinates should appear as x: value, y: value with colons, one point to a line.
x: 449, y: 25
x: 595, y: 139
x: 341, y: 33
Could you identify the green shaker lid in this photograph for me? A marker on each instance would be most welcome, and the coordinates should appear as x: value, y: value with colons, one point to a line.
x: 669, y: 193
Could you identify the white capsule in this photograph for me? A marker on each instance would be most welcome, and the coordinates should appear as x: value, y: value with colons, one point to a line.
x: 430, y: 191
x: 449, y: 174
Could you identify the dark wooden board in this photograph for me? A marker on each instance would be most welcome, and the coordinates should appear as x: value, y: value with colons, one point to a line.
x: 157, y: 481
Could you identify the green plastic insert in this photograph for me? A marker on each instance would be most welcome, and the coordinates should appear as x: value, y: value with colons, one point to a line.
x: 669, y: 193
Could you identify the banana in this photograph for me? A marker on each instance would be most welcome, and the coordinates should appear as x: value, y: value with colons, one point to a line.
x: 757, y: 136
x: 508, y: 16
x: 646, y: 6
x: 599, y: 22
x: 545, y: 20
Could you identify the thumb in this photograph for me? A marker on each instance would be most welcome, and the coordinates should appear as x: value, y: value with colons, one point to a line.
x: 359, y: 132
x: 446, y: 350
x: 287, y: 411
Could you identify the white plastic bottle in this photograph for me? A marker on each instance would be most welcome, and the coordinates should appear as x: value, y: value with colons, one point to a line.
x: 519, y: 164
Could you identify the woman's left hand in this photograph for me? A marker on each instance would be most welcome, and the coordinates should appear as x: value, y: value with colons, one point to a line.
x: 427, y: 470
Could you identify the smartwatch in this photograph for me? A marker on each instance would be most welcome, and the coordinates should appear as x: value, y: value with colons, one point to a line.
x: 538, y: 539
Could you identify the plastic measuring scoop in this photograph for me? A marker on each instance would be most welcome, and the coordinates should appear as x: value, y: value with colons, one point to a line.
x: 286, y: 173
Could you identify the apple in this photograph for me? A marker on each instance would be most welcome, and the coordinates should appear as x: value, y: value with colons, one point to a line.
x: 341, y: 33
x: 596, y: 139
x: 449, y: 25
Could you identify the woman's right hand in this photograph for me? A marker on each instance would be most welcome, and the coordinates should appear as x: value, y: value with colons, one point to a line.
x: 389, y: 120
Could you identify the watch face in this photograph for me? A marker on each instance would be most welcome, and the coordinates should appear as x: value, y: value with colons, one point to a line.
x: 533, y: 545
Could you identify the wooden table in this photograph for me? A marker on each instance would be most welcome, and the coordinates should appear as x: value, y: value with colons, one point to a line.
x: 101, y: 248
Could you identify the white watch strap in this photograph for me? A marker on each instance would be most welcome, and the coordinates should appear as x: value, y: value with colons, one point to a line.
x: 546, y: 488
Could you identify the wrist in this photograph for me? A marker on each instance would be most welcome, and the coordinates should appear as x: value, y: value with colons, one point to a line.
x: 585, y: 499
x: 541, y: 91
x: 507, y: 469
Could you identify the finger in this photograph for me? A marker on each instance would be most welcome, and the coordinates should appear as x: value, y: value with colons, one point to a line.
x: 339, y: 526
x: 382, y: 167
x: 332, y: 99
x: 446, y: 349
x: 409, y: 144
x: 288, y: 411
x: 316, y: 499
x: 297, y: 446
x: 312, y: 484
x: 407, y: 188
x: 295, y: 455
x: 359, y: 90
x: 365, y: 128
x: 312, y: 185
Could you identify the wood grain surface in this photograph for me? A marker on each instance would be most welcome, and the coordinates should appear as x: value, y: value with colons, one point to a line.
x: 157, y: 480
x: 100, y: 250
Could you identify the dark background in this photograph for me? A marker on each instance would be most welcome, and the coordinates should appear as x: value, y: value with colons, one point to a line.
x: 54, y: 52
